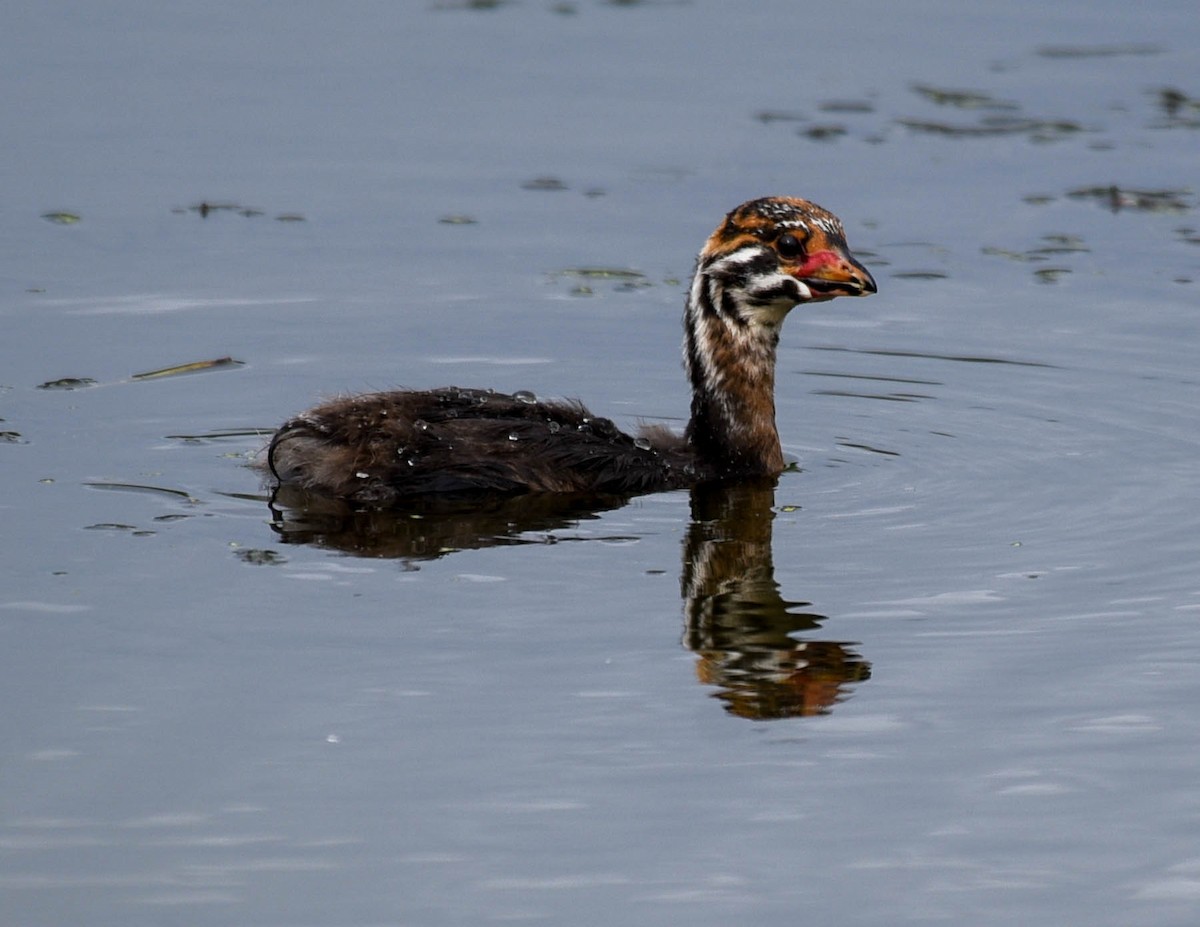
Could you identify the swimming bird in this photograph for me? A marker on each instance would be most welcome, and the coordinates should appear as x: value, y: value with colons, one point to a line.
x: 765, y: 258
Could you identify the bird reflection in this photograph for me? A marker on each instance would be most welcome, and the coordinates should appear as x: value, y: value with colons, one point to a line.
x: 753, y: 645
x: 757, y: 649
x: 432, y: 526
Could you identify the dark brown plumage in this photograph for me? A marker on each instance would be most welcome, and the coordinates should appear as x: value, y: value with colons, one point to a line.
x: 380, y: 449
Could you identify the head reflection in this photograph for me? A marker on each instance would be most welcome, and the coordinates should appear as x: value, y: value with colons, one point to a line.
x: 755, y: 647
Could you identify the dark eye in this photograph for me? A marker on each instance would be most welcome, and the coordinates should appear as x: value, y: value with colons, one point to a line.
x: 789, y: 246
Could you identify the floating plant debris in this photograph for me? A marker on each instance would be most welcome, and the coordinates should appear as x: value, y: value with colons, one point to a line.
x: 847, y: 106
x: 623, y: 279
x: 959, y: 358
x: 1121, y: 198
x: 1050, y: 274
x: 992, y: 251
x: 62, y: 218
x: 883, y: 397
x: 1036, y: 129
x: 602, y: 273
x: 859, y: 446
x: 823, y: 133
x: 963, y: 99
x: 871, y: 377
x: 458, y: 219
x: 1055, y: 244
x: 194, y: 367
x: 1097, y: 51
x: 469, y: 4
x: 227, y: 433
x: 140, y: 487
x: 259, y: 557
x: 68, y: 383
x: 205, y: 208
x: 1179, y: 108
x: 774, y: 115
x: 1061, y: 244
x: 1173, y: 101
x: 11, y: 437
x: 544, y: 184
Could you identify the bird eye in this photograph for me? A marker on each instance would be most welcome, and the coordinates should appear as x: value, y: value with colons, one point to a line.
x: 789, y: 246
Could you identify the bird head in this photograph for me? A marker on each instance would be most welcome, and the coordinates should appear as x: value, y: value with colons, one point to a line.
x: 772, y: 254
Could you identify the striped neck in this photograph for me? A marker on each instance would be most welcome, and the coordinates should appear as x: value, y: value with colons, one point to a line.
x: 731, y: 330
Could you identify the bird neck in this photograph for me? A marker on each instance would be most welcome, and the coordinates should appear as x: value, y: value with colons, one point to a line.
x: 729, y: 353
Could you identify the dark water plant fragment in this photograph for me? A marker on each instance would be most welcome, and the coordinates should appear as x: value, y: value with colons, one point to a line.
x: 961, y: 99
x: 1050, y: 274
x: 1098, y: 51
x: 1038, y: 130
x: 544, y: 184
x: 847, y: 106
x: 1061, y: 244
x: 443, y: 5
x: 824, y: 133
x: 1180, y: 110
x: 1118, y: 199
x: 919, y: 275
x: 193, y: 367
x: 860, y: 446
x: 206, y: 208
x: 602, y: 273
x: 993, y: 251
x: 957, y: 358
x: 223, y: 433
x: 145, y: 488
x: 132, y: 530
x: 623, y: 279
x: 259, y: 557
x: 776, y: 115
x: 62, y: 218
x: 68, y: 383
x: 1054, y: 244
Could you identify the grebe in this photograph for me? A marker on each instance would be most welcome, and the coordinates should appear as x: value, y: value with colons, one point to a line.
x: 767, y: 256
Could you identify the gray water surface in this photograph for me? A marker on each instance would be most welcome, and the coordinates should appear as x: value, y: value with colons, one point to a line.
x: 945, y: 670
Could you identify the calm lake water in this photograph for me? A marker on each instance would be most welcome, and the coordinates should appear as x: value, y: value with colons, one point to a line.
x: 945, y: 671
